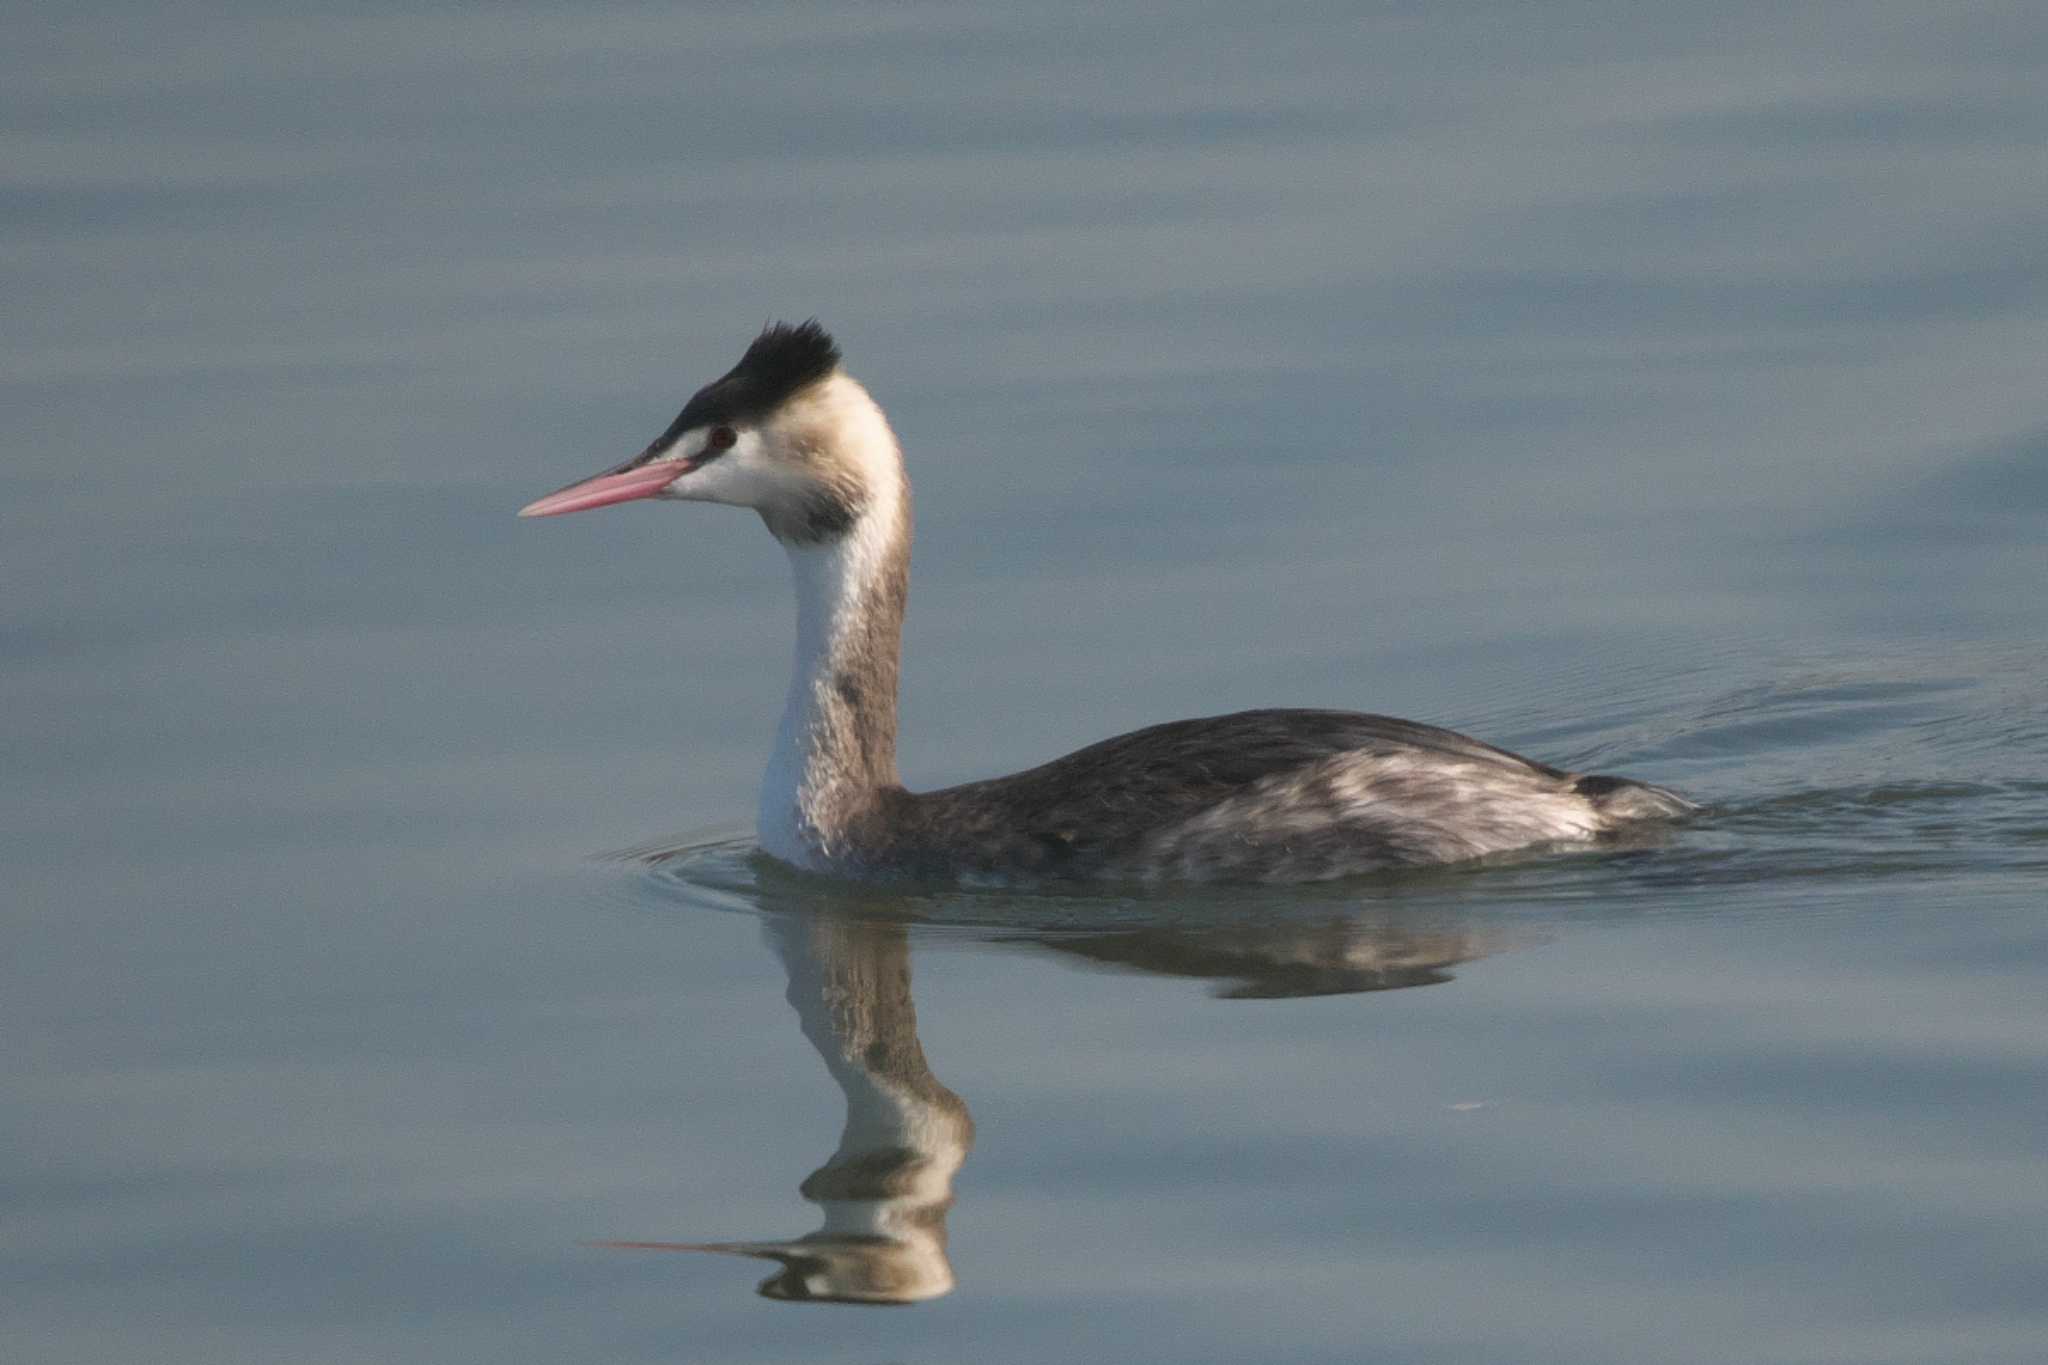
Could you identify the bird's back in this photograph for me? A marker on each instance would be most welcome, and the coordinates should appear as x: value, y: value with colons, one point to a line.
x: 1269, y: 795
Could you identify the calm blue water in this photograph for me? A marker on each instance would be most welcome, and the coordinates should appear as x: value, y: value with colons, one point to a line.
x: 1652, y: 390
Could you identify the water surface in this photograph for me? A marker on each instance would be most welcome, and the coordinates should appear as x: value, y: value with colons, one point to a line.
x: 1651, y: 391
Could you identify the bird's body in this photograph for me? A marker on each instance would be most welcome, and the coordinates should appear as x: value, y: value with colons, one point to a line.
x: 1268, y: 796
x: 1262, y: 796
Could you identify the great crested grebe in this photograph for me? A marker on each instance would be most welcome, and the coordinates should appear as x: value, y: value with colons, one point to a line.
x: 1259, y: 796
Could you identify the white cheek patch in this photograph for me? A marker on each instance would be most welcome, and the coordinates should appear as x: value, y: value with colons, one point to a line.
x: 742, y: 477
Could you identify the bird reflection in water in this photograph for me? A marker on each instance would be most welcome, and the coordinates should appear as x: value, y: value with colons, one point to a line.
x: 886, y: 1191
x: 1343, y: 955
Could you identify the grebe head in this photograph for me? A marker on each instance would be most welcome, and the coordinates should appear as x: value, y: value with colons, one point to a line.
x: 785, y: 432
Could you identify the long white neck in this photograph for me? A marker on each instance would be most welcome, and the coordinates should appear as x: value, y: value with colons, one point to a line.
x: 835, y: 750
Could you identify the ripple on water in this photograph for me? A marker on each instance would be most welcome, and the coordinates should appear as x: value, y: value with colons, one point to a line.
x: 1252, y: 942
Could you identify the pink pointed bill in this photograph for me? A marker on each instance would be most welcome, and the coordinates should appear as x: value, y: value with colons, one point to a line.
x: 618, y: 485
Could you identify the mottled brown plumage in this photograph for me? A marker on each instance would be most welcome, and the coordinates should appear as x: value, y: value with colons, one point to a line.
x: 1257, y: 796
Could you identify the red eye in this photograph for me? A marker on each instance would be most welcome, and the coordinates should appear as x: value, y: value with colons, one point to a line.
x: 721, y: 438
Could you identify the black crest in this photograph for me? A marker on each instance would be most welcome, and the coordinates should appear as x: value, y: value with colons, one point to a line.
x: 784, y: 359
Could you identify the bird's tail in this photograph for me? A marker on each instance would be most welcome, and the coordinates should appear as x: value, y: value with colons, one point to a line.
x: 1624, y: 798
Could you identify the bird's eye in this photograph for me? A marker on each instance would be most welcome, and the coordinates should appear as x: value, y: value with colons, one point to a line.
x: 720, y: 438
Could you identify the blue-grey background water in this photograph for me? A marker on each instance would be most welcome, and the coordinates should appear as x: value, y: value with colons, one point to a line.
x: 1652, y: 389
